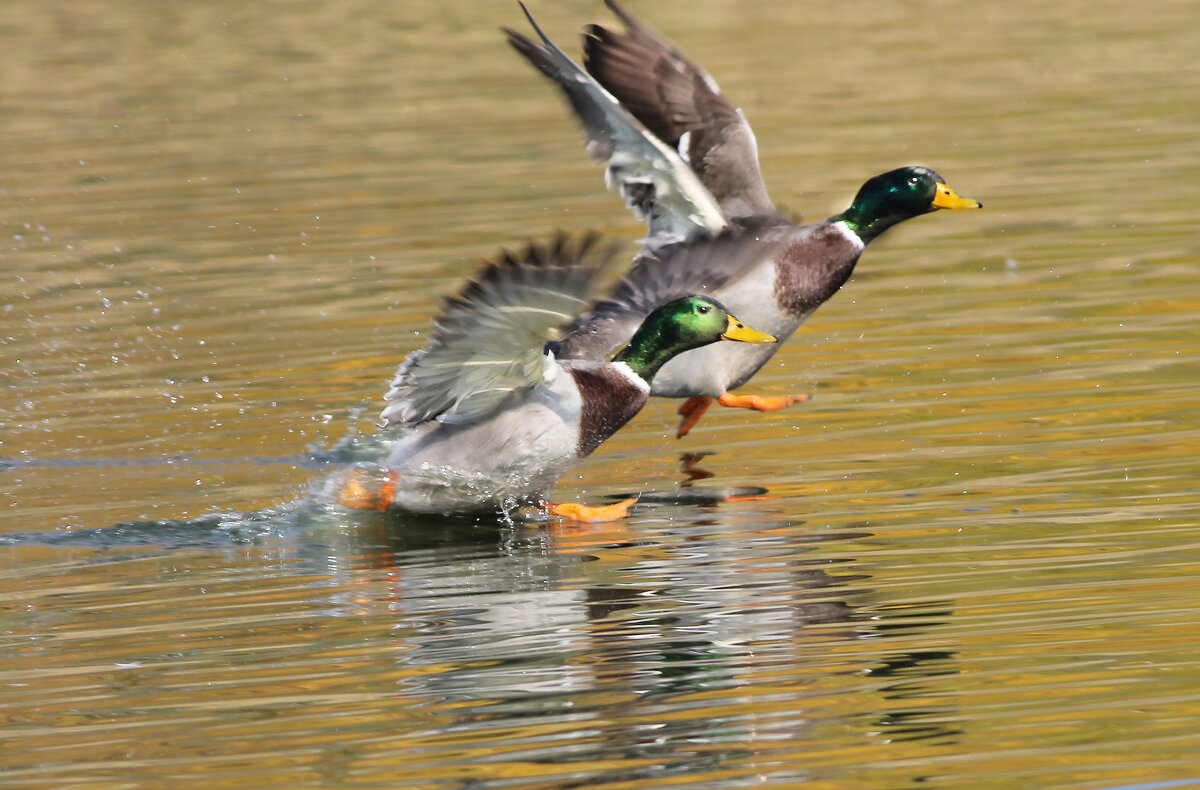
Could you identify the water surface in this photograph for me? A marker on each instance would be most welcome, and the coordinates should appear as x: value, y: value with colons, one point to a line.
x: 976, y: 560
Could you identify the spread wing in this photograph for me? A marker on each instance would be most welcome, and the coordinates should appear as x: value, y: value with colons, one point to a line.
x: 683, y: 106
x: 700, y: 267
x: 490, y: 340
x: 655, y: 182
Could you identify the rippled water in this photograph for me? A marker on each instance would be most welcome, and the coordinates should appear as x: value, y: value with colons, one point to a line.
x: 975, y: 562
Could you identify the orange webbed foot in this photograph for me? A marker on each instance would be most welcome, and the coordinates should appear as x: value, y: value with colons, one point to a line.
x: 592, y: 514
x: 692, y: 410
x: 367, y: 488
x: 760, y: 402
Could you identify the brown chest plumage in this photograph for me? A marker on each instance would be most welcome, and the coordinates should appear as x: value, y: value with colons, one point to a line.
x: 610, y: 399
x: 812, y: 269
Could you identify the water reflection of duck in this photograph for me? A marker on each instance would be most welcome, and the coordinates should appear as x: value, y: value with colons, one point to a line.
x: 686, y: 160
x: 491, y: 419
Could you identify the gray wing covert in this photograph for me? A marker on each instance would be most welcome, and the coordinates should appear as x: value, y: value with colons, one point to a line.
x: 698, y: 267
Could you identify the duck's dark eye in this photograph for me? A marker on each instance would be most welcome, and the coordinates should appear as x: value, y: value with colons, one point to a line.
x: 912, y: 182
x: 702, y: 309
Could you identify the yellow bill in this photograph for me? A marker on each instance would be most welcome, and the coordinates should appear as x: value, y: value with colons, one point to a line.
x: 946, y: 198
x: 736, y: 330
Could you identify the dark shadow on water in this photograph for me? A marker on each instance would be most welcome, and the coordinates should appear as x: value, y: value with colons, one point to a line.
x: 691, y: 497
x: 321, y: 523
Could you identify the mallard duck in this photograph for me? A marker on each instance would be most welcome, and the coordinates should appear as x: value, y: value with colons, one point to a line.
x: 488, y: 418
x: 686, y: 161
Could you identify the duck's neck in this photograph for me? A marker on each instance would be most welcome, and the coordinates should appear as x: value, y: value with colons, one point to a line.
x: 646, y: 353
x: 865, y: 222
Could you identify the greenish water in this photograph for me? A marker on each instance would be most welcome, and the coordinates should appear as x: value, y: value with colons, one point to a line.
x: 223, y: 225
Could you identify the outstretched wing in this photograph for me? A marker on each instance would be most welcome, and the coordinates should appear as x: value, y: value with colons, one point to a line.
x: 490, y: 340
x: 655, y: 182
x: 683, y: 106
x: 699, y: 267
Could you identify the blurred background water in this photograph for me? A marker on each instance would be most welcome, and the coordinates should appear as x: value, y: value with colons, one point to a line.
x: 222, y: 226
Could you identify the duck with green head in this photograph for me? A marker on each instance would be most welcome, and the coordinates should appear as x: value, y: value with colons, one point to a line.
x: 686, y: 161
x: 488, y: 419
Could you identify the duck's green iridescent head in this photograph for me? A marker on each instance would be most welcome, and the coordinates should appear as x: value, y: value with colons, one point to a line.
x: 892, y: 197
x: 680, y: 325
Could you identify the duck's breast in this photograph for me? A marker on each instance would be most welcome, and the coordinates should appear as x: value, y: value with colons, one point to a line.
x: 610, y: 395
